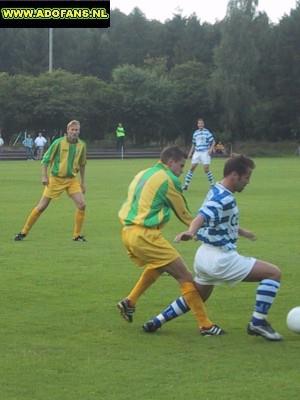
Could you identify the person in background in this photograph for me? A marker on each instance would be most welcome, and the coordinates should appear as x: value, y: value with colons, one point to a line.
x: 219, y: 148
x: 1, y: 142
x: 28, y: 144
x: 202, y: 147
x: 40, y: 142
x: 120, y: 135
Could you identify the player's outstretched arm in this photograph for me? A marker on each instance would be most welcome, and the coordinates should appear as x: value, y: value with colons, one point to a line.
x: 193, y: 229
x: 247, y: 234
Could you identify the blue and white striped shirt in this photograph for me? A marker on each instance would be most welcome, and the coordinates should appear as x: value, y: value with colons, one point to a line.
x: 202, y: 139
x: 221, y: 216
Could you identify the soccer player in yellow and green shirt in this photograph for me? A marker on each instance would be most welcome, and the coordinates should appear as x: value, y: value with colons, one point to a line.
x: 152, y: 195
x: 64, y: 159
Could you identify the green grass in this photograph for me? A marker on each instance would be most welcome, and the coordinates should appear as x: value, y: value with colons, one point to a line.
x: 61, y: 337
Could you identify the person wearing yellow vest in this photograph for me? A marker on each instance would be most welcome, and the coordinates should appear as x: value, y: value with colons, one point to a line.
x: 65, y: 158
x: 120, y: 134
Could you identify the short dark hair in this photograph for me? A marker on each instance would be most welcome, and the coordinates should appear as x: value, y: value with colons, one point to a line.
x: 172, y: 153
x: 239, y: 164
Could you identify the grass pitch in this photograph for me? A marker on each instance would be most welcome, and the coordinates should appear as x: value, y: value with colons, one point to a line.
x: 61, y: 337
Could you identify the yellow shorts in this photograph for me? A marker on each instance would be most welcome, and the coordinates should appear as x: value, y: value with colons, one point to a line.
x: 57, y: 185
x: 147, y: 247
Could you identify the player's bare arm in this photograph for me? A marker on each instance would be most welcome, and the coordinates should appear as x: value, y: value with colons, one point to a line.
x: 191, y: 151
x: 247, y: 234
x: 45, y: 179
x: 82, y: 178
x: 212, y: 148
x: 193, y: 229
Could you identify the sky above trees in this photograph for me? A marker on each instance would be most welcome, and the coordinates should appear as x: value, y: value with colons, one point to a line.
x: 206, y: 10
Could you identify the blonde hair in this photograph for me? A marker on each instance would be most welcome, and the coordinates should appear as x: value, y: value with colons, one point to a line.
x: 73, y: 122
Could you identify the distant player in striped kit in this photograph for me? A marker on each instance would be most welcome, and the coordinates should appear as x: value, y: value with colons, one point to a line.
x: 152, y: 195
x: 217, y: 260
x: 202, y: 147
x: 65, y: 158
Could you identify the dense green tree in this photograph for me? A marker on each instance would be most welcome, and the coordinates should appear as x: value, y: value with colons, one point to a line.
x: 286, y: 99
x: 98, y: 108
x: 192, y: 101
x: 236, y: 61
x: 240, y: 74
x: 6, y: 114
x: 248, y: 7
x: 145, y: 103
x: 49, y: 101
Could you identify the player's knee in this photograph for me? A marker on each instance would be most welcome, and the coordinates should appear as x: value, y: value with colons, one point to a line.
x: 81, y: 206
x: 186, y: 277
x: 41, y: 207
x: 275, y: 274
x: 206, y: 168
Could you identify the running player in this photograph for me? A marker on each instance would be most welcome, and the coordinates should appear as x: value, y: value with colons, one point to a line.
x: 152, y: 195
x: 217, y: 260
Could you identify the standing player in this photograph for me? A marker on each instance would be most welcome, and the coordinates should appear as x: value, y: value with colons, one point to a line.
x: 65, y: 158
x: 217, y: 261
x: 202, y: 147
x: 152, y: 195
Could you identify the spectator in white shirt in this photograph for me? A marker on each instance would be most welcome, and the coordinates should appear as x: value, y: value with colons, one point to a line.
x: 1, y: 142
x: 40, y: 143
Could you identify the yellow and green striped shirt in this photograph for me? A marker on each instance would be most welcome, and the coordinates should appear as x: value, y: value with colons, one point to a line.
x: 64, y: 158
x: 152, y: 195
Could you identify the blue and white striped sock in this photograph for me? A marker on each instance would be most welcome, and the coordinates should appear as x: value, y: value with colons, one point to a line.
x: 265, y: 295
x: 174, y: 310
x: 188, y: 178
x: 210, y: 178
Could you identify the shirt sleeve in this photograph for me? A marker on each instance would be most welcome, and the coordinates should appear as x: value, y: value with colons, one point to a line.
x: 210, y: 138
x: 50, y: 153
x: 193, y: 139
x: 178, y: 204
x: 212, y: 212
x: 82, y: 160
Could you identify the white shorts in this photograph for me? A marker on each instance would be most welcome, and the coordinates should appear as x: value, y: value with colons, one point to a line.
x: 214, y: 266
x: 201, y: 157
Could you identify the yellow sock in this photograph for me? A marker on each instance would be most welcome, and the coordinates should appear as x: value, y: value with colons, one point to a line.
x: 196, y: 304
x: 31, y: 219
x: 148, y: 277
x: 79, y: 218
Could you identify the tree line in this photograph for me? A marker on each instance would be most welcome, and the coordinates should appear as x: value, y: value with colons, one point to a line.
x: 240, y: 74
